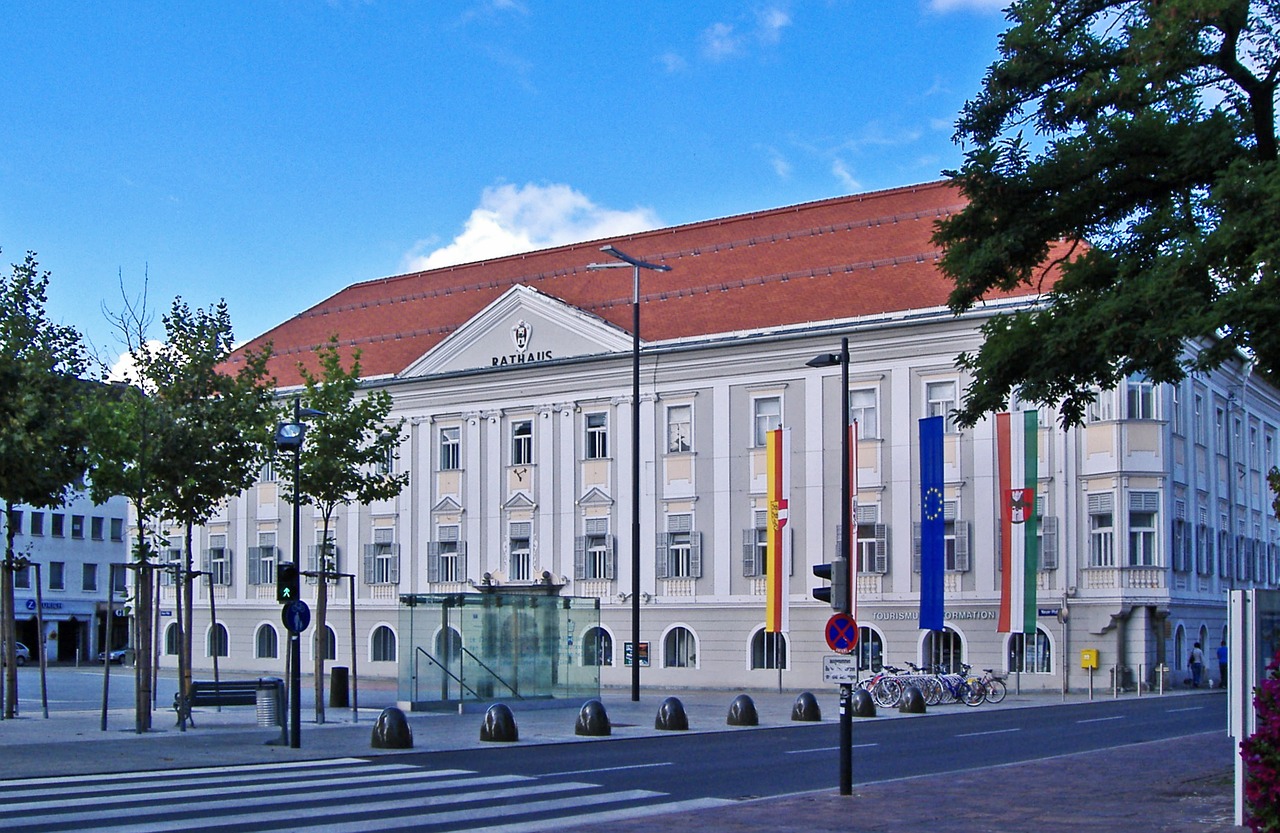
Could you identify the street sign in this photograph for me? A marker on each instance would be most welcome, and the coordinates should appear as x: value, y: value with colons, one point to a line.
x: 842, y: 669
x: 296, y: 616
x: 842, y: 633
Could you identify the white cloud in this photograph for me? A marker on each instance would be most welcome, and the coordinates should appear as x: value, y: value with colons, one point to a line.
x: 510, y: 220
x: 780, y: 164
x: 719, y: 41
x: 125, y: 369
x: 963, y: 5
x: 672, y: 62
x: 723, y: 40
x: 771, y: 22
x: 841, y: 172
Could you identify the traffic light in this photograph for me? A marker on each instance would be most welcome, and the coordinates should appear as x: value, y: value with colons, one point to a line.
x: 837, y: 595
x: 286, y: 582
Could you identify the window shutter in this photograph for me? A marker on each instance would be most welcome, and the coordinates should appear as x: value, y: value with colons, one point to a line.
x: 370, y: 563
x: 749, y: 565
x: 596, y: 526
x: 695, y: 554
x: 611, y: 562
x: 962, y: 546
x: 662, y: 568
x: 580, y: 557
x: 433, y: 562
x: 255, y: 565
x: 206, y: 561
x: 679, y: 523
x: 881, y: 532
x: 1144, y: 501
x: 868, y: 513
x: 393, y: 569
x: 1049, y: 543
x: 949, y: 510
x: 462, y: 561
x: 999, y: 552
x: 915, y: 547
x: 1101, y: 503
x: 791, y: 550
x: 523, y: 529
x: 1179, y: 564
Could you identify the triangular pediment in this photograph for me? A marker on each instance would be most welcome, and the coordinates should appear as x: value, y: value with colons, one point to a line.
x: 446, y: 506
x: 518, y: 501
x: 521, y: 327
x: 595, y: 497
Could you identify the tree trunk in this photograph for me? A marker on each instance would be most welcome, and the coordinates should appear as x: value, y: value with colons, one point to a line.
x: 9, y: 627
x: 142, y: 656
x: 322, y: 606
x: 186, y: 633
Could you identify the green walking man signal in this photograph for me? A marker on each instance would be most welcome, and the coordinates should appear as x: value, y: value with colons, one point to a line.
x: 286, y: 582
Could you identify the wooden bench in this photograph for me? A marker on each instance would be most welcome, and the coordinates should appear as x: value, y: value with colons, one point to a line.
x: 228, y: 693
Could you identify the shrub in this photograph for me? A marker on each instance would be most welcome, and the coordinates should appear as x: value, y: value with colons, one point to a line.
x: 1261, y: 754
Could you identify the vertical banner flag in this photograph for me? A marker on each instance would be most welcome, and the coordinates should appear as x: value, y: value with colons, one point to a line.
x: 852, y: 531
x: 932, y: 524
x: 1018, y: 452
x: 778, y: 558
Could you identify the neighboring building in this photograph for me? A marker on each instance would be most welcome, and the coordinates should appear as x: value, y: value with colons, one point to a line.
x: 514, y: 375
x: 75, y: 546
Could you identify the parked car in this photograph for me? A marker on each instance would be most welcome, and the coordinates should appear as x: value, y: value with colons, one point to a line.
x: 117, y: 656
x: 24, y: 655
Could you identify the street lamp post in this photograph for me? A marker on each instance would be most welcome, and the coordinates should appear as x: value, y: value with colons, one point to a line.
x: 845, y: 554
x: 289, y: 436
x: 636, y: 265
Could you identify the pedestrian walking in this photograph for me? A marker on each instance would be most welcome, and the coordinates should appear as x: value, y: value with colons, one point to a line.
x: 1222, y: 664
x: 1196, y: 661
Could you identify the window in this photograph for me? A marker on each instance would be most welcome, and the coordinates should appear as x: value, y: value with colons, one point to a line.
x: 445, y: 556
x: 679, y: 649
x: 450, y: 450
x: 594, y: 554
x: 117, y: 529
x: 955, y: 541
x: 943, y: 650
x: 89, y: 578
x: 56, y: 524
x: 1140, y: 398
x: 755, y: 546
x: 384, y: 644
x: 597, y: 647
x: 172, y: 640
x: 869, y: 650
x: 1177, y: 423
x: 1102, y: 408
x: 118, y: 580
x: 329, y: 645
x: 263, y: 559
x: 1101, y: 530
x: 37, y: 523
x: 519, y: 551
x: 382, y: 558
x: 767, y: 415
x: 217, y: 561
x: 679, y: 429
x: 22, y: 578
x: 872, y: 553
x: 267, y: 474
x: 597, y: 437
x: 1197, y: 418
x: 77, y: 526
x: 768, y: 650
x: 386, y: 460
x: 522, y: 443
x: 1030, y: 653
x: 1143, y: 507
x: 96, y: 528
x: 266, y: 643
x: 218, y: 642
x: 862, y: 410
x: 680, y: 550
x: 940, y: 399
x: 15, y: 521
x: 1220, y: 430
x: 57, y: 575
x: 332, y: 563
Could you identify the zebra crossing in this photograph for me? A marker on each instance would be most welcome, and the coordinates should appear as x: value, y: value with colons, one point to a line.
x: 341, y: 795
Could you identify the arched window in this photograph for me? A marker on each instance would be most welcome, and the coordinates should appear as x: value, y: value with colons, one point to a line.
x: 1180, y: 649
x: 384, y: 644
x: 869, y: 650
x: 597, y: 647
x: 943, y: 650
x: 679, y: 649
x: 768, y: 650
x: 172, y: 640
x: 218, y: 641
x: 330, y: 643
x: 265, y: 643
x: 1030, y: 653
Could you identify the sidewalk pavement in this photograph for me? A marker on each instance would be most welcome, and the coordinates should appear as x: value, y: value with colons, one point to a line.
x: 1172, y: 785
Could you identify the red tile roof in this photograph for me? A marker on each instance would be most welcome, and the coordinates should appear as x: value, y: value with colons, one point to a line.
x: 834, y: 259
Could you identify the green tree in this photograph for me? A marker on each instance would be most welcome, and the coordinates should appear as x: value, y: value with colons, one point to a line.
x: 42, y: 431
x: 348, y: 457
x: 220, y: 433
x: 1155, y: 159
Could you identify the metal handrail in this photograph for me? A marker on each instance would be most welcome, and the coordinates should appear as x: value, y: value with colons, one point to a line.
x: 454, y: 676
x: 492, y: 673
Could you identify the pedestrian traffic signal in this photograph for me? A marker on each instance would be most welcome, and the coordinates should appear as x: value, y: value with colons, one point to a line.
x: 837, y: 595
x: 286, y: 582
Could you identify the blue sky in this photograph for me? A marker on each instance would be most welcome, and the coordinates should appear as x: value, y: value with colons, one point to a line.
x: 272, y: 152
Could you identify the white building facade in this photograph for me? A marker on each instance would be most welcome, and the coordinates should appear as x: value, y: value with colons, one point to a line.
x: 519, y: 455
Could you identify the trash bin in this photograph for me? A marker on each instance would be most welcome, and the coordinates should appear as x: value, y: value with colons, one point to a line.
x: 270, y: 702
x: 339, y: 696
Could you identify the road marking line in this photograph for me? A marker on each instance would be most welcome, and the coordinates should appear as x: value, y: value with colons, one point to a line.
x: 830, y: 748
x: 991, y: 732
x: 181, y: 773
x: 595, y: 819
x: 602, y: 769
x: 1190, y: 709
x: 1101, y: 719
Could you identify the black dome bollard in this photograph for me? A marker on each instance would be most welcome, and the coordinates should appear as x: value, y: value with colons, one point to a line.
x: 671, y: 716
x: 499, y: 725
x: 862, y: 704
x: 742, y: 712
x: 912, y: 701
x: 592, y: 720
x: 391, y: 731
x: 806, y: 708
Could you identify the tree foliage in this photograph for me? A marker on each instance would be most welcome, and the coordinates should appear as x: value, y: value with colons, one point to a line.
x: 1122, y: 161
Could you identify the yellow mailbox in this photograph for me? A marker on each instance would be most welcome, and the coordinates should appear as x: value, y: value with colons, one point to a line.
x: 1089, y: 658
